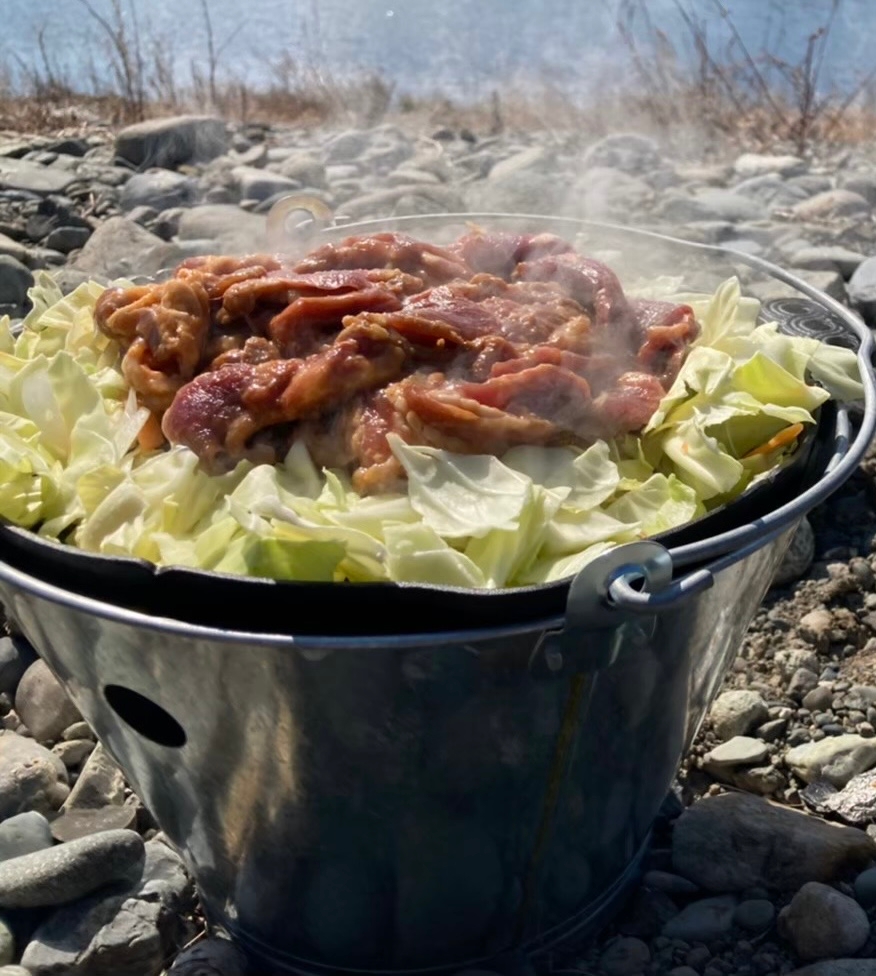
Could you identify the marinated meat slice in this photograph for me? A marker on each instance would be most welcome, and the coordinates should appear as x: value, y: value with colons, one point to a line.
x: 669, y: 330
x: 255, y: 350
x: 377, y: 469
x: 306, y: 325
x: 284, y: 286
x: 440, y: 318
x: 545, y: 391
x: 590, y: 283
x: 119, y: 311
x: 169, y: 341
x: 531, y: 356
x: 435, y: 265
x: 499, y: 254
x: 439, y: 414
x: 629, y: 404
x: 217, y: 413
x: 494, y: 341
x: 487, y: 354
x: 217, y: 274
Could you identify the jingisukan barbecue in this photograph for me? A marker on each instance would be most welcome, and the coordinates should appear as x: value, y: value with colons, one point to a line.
x: 493, y: 412
x: 494, y: 342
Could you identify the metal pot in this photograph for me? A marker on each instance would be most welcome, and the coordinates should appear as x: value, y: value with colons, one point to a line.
x: 426, y: 801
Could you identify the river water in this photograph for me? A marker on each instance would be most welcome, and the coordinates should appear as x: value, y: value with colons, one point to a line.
x: 463, y: 48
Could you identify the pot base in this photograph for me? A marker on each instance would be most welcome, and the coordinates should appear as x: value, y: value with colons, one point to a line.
x: 561, y: 942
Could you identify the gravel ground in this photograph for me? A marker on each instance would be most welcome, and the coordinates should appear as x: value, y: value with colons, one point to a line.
x: 763, y: 859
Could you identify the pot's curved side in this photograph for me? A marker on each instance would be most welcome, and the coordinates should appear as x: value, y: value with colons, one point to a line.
x: 403, y: 807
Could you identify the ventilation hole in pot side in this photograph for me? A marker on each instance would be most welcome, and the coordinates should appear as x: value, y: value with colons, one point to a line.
x: 144, y: 716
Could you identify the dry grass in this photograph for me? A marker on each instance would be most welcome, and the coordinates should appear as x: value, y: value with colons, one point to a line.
x: 681, y: 90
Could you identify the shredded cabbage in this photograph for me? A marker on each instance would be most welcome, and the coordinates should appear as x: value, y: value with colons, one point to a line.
x: 71, y: 467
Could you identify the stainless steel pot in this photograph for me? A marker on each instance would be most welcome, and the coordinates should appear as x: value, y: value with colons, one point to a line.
x: 427, y: 801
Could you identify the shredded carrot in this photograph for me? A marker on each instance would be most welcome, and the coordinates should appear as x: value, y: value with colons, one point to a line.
x: 782, y: 439
x: 150, y: 437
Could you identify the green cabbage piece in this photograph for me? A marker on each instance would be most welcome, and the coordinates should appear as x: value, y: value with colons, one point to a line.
x: 71, y: 468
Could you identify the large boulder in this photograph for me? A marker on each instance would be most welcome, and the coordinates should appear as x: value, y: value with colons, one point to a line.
x: 171, y: 142
x: 735, y: 841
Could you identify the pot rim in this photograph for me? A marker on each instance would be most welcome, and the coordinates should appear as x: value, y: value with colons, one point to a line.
x: 846, y: 455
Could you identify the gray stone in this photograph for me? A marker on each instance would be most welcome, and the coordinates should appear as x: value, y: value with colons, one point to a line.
x: 707, y: 231
x: 170, y: 142
x: 837, y: 759
x: 862, y: 290
x: 15, y: 280
x: 741, y: 750
x: 830, y: 282
x: 811, y: 184
x: 69, y: 279
x: 159, y: 189
x: 73, y: 824
x: 771, y: 191
x: 760, y: 164
x: 259, y: 184
x: 671, y: 884
x: 864, y: 184
x: 66, y: 239
x: 703, y: 920
x: 754, y: 915
x: 829, y: 258
x: 228, y: 227
x: 100, y: 783
x: 819, y: 699
x: 773, y: 730
x: 14, y: 249
x: 31, y: 777
x: 816, y: 627
x: 304, y: 168
x: 734, y: 842
x: 798, y: 556
x: 831, y: 204
x: 802, y: 682
x: 625, y: 957
x: 116, y: 250
x: 104, y: 935
x: 74, y: 752
x: 63, y: 873
x: 602, y: 193
x: 822, y: 923
x: 7, y: 944
x: 833, y: 967
x: 763, y: 780
x: 346, y: 147
x: 43, y: 705
x: 16, y: 656
x: 165, y: 879
x: 78, y: 730
x: 25, y: 833
x: 865, y: 888
x: 533, y: 158
x: 211, y: 957
x: 737, y: 712
x: 630, y: 152
x: 727, y: 205
x: 14, y: 971
x: 399, y: 200
x: 524, y: 192
x: 855, y: 802
x: 20, y: 174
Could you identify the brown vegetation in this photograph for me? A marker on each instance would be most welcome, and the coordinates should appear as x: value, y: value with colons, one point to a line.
x: 679, y: 86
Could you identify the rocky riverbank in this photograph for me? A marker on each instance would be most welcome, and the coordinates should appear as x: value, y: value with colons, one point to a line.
x: 745, y: 876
